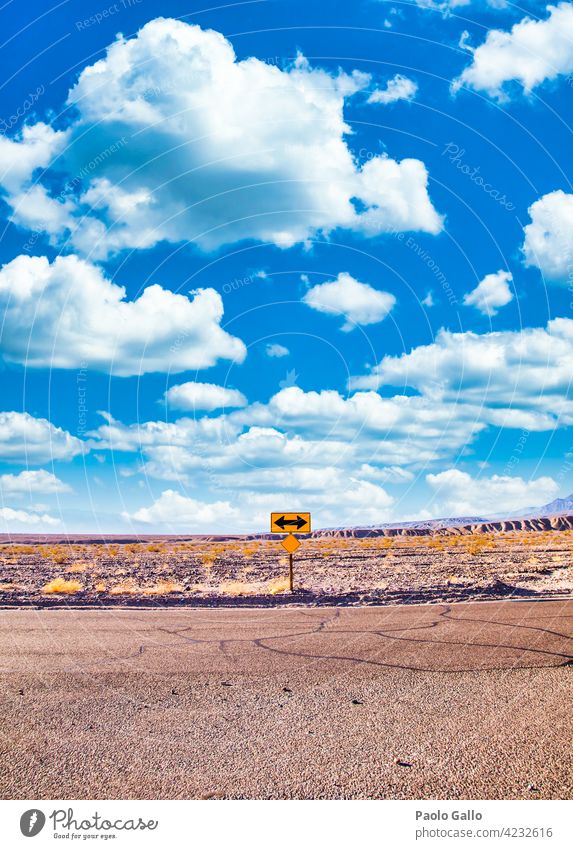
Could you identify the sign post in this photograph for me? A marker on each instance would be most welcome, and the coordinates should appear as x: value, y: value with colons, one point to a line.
x: 285, y: 523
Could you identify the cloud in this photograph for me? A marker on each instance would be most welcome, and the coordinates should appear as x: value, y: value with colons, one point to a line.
x: 548, y: 241
x: 516, y: 378
x: 176, y: 140
x: 30, y: 482
x: 530, y: 54
x: 203, y: 396
x: 428, y: 301
x: 276, y: 350
x: 461, y: 495
x: 317, y: 443
x: 398, y: 88
x: 448, y: 7
x: 358, y: 302
x: 24, y: 438
x: 349, y: 502
x: 296, y: 430
x: 76, y: 315
x: 173, y: 510
x: 21, y: 520
x: 34, y: 147
x: 386, y: 474
x: 491, y: 293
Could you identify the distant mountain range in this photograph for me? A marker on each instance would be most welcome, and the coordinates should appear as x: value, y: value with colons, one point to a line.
x: 557, y: 507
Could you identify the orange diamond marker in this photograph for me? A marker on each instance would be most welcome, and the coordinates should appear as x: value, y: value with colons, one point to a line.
x: 290, y: 543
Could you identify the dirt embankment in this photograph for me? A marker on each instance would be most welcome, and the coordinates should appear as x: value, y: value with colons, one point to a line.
x: 546, y: 523
x: 541, y: 524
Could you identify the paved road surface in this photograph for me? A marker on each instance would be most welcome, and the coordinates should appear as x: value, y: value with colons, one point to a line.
x: 460, y: 701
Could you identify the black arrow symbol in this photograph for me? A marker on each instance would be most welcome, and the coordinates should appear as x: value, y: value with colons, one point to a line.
x: 299, y: 522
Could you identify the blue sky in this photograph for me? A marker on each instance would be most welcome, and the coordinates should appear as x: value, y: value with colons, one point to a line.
x: 283, y: 255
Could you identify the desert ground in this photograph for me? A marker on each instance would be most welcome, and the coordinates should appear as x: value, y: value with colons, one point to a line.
x: 205, y: 571
x: 459, y: 701
x: 414, y: 665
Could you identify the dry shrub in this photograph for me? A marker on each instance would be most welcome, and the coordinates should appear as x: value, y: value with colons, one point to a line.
x: 5, y: 587
x: 277, y: 585
x: 238, y: 588
x: 163, y: 588
x: 128, y: 587
x: 60, y: 585
x: 474, y: 545
x: 100, y: 587
x: 77, y: 568
x: 18, y: 549
x: 208, y: 558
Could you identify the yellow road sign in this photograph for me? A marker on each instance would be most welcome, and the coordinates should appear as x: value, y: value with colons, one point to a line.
x: 288, y: 523
x: 290, y: 544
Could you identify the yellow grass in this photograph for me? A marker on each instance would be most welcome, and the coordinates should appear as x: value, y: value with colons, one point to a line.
x: 14, y: 550
x: 60, y: 585
x: 277, y: 585
x: 237, y: 588
x: 163, y: 588
x: 77, y: 568
x: 128, y: 587
x: 208, y: 558
x: 100, y: 587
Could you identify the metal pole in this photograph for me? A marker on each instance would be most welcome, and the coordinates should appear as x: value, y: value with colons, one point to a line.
x: 290, y: 573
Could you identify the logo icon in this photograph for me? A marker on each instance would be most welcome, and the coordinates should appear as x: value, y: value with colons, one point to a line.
x: 32, y: 822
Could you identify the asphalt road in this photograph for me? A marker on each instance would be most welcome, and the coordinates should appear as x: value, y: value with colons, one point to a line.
x: 459, y: 701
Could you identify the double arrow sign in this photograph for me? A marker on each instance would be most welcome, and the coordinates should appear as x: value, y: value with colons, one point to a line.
x: 286, y: 523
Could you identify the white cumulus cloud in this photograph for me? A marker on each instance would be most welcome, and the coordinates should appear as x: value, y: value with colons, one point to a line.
x: 24, y: 438
x: 491, y: 293
x: 458, y: 494
x: 203, y: 396
x: 532, y: 52
x: 548, y: 241
x: 39, y: 481
x: 176, y: 140
x: 276, y: 351
x: 346, y: 502
x: 21, y: 520
x: 398, y: 88
x: 518, y: 378
x: 357, y: 302
x: 174, y: 510
x: 73, y: 314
